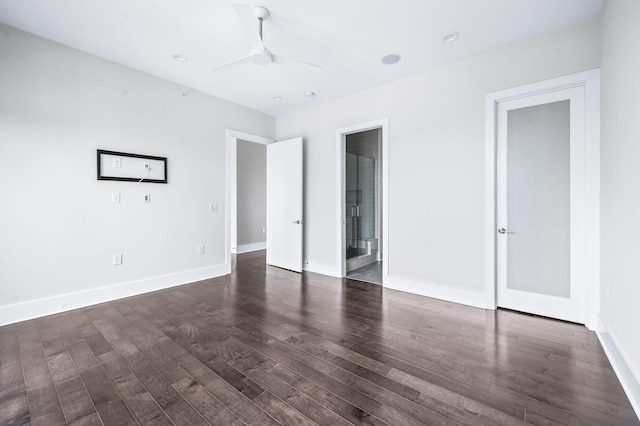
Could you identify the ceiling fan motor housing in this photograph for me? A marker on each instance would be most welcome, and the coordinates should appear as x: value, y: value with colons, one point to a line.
x: 260, y: 12
x: 260, y: 56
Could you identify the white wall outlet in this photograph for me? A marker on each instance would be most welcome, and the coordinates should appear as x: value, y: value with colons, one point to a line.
x: 117, y: 259
x: 146, y: 198
x: 146, y: 165
x: 115, y: 197
x: 200, y: 249
x: 264, y: 230
x: 213, y: 207
x: 117, y: 163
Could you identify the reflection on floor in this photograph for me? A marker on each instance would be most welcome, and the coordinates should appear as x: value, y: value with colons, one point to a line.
x: 371, y: 273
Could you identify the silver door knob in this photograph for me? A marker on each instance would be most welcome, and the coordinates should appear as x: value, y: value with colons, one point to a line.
x: 296, y: 221
x: 504, y: 231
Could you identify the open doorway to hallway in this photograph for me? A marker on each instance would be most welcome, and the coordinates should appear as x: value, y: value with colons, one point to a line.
x: 250, y: 224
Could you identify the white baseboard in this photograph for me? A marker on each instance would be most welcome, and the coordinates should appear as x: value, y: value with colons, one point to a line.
x: 429, y: 289
x: 321, y: 268
x: 246, y: 248
x: 437, y: 291
x: 622, y: 365
x: 65, y: 302
x: 360, y: 262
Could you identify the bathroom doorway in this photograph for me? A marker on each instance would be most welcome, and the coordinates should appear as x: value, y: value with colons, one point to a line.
x: 363, y: 206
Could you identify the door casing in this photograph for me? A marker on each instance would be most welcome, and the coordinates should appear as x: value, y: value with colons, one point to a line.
x: 590, y: 80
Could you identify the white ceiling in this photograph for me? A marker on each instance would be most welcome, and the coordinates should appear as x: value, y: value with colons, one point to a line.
x: 347, y: 37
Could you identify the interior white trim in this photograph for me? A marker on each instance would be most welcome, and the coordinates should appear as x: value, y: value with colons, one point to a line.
x: 341, y: 134
x: 321, y: 268
x: 231, y: 203
x: 590, y: 80
x: 65, y: 302
x: 247, y: 248
x: 437, y: 291
x: 621, y: 363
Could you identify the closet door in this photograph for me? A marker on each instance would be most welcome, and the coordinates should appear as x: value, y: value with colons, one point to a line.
x: 541, y: 188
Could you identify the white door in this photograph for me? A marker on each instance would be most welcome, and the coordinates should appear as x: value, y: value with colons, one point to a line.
x: 285, y: 204
x: 540, y: 229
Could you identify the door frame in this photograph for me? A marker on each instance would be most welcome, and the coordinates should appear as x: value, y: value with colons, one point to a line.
x: 341, y: 140
x: 231, y: 184
x: 590, y: 81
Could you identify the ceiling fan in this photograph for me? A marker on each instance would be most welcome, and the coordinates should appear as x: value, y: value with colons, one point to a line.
x: 259, y: 54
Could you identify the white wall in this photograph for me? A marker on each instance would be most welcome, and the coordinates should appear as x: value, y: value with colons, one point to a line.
x: 620, y: 177
x: 436, y: 154
x: 252, y: 192
x: 58, y: 228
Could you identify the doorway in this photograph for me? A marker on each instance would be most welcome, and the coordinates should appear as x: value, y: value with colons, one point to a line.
x: 249, y: 232
x: 284, y: 195
x: 249, y: 147
x: 362, y: 202
x: 542, y: 226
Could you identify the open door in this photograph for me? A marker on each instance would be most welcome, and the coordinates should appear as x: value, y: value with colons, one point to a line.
x: 285, y: 204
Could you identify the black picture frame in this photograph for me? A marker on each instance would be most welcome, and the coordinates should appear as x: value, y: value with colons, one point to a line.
x: 132, y: 177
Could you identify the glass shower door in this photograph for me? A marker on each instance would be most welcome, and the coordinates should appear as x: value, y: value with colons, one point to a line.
x: 360, y: 204
x: 351, y: 211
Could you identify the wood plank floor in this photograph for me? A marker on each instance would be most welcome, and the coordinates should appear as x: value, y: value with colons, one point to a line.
x: 265, y: 346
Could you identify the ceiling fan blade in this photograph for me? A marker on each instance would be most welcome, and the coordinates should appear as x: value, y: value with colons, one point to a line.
x: 232, y: 64
x: 306, y: 65
x: 249, y: 22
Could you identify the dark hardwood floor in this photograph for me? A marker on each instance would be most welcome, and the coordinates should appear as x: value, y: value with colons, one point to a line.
x: 265, y: 346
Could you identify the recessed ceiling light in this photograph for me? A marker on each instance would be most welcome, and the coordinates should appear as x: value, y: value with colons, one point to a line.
x: 391, y: 59
x: 451, y: 37
x: 310, y: 94
x: 277, y: 98
x: 180, y: 58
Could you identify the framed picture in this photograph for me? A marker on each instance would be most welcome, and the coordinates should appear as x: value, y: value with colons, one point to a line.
x: 127, y: 167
